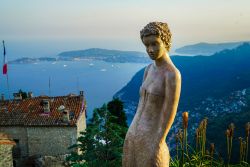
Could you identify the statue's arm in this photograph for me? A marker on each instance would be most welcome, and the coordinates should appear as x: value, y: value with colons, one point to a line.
x: 172, y: 95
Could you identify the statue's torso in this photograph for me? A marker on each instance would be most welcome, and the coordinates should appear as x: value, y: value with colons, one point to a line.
x: 149, y: 115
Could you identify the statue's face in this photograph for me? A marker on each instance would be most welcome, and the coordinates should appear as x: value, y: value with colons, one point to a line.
x: 154, y: 46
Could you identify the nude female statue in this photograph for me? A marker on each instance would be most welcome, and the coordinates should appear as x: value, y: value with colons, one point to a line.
x: 145, y: 144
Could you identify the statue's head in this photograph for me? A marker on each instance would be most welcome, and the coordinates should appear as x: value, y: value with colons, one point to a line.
x: 159, y: 29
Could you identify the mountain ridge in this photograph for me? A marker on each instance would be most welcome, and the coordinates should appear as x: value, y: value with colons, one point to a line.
x: 105, y: 55
x: 113, y: 56
x: 204, y: 48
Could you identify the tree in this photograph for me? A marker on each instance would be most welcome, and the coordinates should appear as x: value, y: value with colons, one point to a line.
x: 115, y: 107
x: 102, y: 141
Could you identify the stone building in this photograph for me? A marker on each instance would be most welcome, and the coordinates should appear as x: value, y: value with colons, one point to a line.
x: 6, y: 146
x: 43, y: 125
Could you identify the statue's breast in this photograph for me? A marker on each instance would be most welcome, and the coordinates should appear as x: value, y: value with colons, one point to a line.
x: 154, y: 85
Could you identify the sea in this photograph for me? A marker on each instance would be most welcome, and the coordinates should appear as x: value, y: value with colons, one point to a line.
x: 98, y: 79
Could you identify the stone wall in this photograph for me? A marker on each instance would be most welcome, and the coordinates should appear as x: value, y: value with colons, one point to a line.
x: 20, y: 134
x: 6, y: 155
x: 42, y: 140
x: 6, y: 146
x: 50, y: 140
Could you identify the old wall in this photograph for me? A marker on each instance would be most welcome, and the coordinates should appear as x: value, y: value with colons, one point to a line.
x: 20, y: 134
x: 6, y: 159
x: 50, y: 140
x: 42, y: 140
x: 6, y: 145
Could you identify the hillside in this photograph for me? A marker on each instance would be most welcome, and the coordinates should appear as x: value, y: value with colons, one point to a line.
x: 105, y: 55
x: 27, y: 60
x: 112, y: 56
x: 204, y: 48
x: 220, y: 124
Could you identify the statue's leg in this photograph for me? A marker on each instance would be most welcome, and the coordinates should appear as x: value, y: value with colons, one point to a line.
x: 128, y: 153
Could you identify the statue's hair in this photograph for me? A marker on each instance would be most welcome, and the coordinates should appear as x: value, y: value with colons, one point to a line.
x: 160, y: 29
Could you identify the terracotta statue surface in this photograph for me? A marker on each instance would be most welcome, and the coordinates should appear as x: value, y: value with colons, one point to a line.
x: 145, y: 142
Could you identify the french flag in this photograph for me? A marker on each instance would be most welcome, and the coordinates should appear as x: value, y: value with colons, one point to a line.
x: 4, y: 61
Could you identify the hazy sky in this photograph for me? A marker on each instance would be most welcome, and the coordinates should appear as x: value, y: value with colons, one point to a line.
x: 115, y: 24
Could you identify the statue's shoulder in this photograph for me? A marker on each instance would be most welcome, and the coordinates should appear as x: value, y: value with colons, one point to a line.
x: 146, y: 72
x: 148, y: 67
x: 173, y: 74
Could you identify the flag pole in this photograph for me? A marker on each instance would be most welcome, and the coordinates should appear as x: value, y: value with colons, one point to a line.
x: 5, y: 68
x: 8, y: 87
x: 49, y: 88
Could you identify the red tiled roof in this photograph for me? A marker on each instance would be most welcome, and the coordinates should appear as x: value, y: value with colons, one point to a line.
x: 29, y: 112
